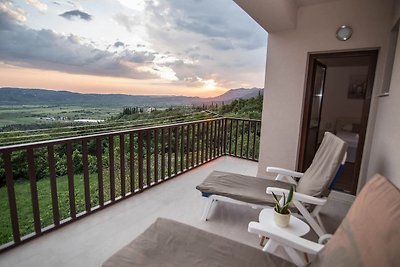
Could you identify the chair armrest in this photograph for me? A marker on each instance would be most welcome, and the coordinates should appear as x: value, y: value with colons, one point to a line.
x: 323, y: 239
x: 285, y: 172
x: 285, y: 239
x: 297, y: 196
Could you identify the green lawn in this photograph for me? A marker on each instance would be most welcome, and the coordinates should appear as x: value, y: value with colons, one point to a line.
x: 24, y: 203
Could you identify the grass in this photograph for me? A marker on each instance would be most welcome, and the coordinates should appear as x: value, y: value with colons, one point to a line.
x: 31, y: 114
x: 24, y: 203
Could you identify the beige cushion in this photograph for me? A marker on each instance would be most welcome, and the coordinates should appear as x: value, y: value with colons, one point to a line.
x: 324, y: 167
x: 168, y: 243
x: 244, y: 188
x: 369, y: 235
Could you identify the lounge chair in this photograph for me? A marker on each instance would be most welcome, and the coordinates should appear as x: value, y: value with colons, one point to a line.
x: 368, y: 236
x: 312, y: 189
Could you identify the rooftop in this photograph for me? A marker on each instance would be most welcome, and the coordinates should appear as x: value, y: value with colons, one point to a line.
x: 91, y: 240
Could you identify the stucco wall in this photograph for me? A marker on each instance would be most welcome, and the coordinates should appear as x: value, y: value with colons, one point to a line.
x: 385, y: 150
x: 287, y: 62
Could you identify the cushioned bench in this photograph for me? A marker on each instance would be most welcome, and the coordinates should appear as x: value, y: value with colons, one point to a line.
x: 170, y: 243
x: 243, y: 188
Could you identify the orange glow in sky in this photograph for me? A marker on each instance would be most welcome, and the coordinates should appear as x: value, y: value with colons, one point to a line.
x: 46, y: 79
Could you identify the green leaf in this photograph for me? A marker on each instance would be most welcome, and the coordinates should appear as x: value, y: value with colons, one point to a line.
x: 290, y: 196
x: 276, y: 199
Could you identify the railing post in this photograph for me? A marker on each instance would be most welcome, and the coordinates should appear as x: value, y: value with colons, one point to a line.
x: 132, y: 161
x: 111, y: 166
x: 225, y: 133
x: 122, y: 163
x: 86, y: 182
x: 53, y: 185
x: 11, y: 196
x: 140, y: 159
x: 156, y: 155
x: 99, y: 155
x: 71, y: 184
x: 34, y: 191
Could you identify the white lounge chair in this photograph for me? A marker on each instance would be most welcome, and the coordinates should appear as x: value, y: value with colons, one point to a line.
x: 368, y: 237
x: 312, y: 188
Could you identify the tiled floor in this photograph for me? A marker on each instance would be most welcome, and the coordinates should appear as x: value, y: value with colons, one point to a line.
x: 93, y: 239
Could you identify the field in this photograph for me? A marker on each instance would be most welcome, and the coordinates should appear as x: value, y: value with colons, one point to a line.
x: 30, y: 126
x: 23, y: 115
x: 39, y: 123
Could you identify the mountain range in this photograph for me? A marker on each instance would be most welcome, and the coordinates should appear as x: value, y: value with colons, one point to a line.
x: 19, y: 96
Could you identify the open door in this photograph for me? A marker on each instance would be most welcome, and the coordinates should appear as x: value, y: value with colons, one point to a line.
x: 337, y: 99
x: 318, y: 83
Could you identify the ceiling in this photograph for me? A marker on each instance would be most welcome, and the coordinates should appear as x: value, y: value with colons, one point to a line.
x: 346, y: 61
x: 311, y: 2
x: 276, y: 15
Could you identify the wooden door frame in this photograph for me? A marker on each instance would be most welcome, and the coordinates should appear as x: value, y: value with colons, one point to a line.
x: 307, y: 100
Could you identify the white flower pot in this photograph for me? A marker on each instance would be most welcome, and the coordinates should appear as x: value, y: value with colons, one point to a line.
x: 282, y: 220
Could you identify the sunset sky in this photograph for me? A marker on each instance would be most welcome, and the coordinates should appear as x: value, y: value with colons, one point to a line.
x: 163, y: 47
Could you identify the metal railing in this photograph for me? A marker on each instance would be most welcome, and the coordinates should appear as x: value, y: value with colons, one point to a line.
x: 102, y: 169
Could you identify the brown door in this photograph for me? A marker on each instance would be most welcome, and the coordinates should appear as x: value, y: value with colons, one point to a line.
x: 337, y: 99
x: 317, y: 86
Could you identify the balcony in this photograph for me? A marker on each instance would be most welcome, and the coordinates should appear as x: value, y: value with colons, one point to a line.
x: 50, y: 184
x: 91, y: 240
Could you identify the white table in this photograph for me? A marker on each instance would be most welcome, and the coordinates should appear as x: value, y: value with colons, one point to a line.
x: 296, y: 227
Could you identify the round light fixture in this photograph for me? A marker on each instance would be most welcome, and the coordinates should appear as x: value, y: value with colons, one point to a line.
x: 344, y: 33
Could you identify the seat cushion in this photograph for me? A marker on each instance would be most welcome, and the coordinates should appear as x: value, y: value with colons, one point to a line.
x: 244, y: 188
x: 369, y: 235
x: 170, y: 243
x: 326, y: 163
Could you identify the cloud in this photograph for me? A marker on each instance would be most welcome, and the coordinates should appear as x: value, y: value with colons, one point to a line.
x: 45, y: 49
x: 124, y: 20
x: 193, y: 16
x: 184, y: 42
x: 76, y: 13
x: 138, y: 56
x: 36, y: 3
x: 119, y: 44
x: 211, y: 40
x: 9, y: 12
x: 220, y: 43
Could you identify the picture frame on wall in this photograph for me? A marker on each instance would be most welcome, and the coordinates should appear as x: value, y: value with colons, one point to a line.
x: 357, y: 87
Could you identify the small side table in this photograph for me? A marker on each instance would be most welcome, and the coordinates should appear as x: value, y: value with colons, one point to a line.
x: 296, y: 227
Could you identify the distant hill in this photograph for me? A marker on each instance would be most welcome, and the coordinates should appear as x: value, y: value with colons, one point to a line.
x: 19, y: 96
x: 233, y: 94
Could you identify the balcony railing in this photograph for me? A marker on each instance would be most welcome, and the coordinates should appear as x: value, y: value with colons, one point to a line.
x: 81, y: 175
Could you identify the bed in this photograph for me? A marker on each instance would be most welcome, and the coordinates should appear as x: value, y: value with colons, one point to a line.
x: 348, y: 130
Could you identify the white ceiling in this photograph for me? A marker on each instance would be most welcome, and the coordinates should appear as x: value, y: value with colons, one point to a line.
x: 311, y: 2
x: 346, y: 61
x: 276, y: 15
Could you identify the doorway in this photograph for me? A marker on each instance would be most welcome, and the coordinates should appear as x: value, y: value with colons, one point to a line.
x: 337, y: 99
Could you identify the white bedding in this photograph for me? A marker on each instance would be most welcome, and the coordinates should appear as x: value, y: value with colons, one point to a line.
x: 352, y: 140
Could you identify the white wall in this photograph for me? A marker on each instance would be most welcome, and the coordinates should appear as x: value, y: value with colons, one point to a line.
x: 287, y: 63
x: 385, y: 150
x: 336, y: 103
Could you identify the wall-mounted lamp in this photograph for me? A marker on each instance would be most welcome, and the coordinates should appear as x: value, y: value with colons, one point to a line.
x: 344, y: 33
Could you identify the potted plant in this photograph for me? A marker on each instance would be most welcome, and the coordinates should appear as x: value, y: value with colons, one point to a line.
x: 281, y: 210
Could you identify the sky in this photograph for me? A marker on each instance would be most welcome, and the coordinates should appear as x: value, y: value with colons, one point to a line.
x: 136, y: 47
